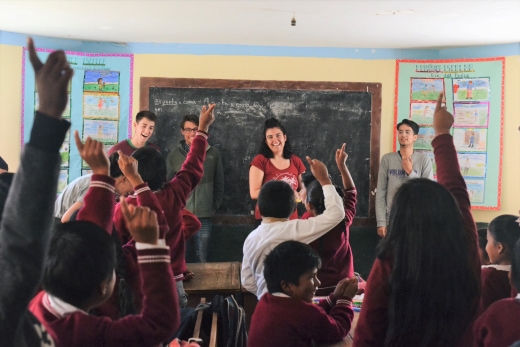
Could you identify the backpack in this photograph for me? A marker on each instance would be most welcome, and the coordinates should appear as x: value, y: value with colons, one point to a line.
x: 231, y: 322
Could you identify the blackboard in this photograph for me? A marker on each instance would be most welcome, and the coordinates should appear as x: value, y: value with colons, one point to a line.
x: 318, y: 117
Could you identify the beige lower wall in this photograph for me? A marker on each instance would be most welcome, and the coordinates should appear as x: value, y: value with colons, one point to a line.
x: 273, y: 68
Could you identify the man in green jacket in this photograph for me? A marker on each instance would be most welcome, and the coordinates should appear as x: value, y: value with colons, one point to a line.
x: 207, y: 196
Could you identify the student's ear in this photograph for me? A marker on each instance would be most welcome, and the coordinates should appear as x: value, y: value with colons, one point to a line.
x: 286, y: 287
x: 500, y: 248
x: 415, y: 138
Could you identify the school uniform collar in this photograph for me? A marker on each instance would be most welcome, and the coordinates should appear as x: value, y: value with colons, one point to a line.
x: 281, y: 295
x: 58, y: 307
x: 498, y: 267
x: 273, y: 219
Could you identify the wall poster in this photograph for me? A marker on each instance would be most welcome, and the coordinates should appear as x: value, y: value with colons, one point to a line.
x: 474, y: 92
x: 100, y: 104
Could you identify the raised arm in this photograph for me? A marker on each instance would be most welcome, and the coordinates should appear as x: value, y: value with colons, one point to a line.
x: 350, y: 196
x: 27, y: 218
x: 448, y: 172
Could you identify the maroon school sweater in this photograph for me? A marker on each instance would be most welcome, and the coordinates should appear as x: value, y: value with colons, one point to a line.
x: 373, y: 319
x: 334, y: 248
x: 160, y: 314
x: 495, y: 286
x: 172, y: 198
x: 498, y: 326
x: 287, y: 322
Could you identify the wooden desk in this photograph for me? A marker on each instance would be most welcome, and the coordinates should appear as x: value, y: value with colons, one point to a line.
x: 211, y: 279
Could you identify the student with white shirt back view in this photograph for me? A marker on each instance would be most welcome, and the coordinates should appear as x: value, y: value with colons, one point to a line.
x: 276, y: 203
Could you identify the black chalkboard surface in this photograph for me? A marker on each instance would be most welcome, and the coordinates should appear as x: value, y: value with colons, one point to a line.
x: 318, y: 120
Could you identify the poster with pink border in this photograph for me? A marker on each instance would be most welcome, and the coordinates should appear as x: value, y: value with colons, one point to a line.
x: 474, y: 94
x: 100, y: 94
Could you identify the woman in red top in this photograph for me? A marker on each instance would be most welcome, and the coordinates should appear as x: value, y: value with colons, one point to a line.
x: 275, y: 162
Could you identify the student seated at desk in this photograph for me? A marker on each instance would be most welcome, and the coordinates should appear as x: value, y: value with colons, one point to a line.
x: 286, y: 316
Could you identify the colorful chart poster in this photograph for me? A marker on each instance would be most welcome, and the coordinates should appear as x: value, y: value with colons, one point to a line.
x: 474, y: 94
x: 100, y: 102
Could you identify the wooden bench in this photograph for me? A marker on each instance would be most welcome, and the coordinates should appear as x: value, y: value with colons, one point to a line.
x: 211, y: 279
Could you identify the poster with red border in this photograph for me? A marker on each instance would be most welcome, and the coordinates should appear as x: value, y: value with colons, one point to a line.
x: 474, y: 91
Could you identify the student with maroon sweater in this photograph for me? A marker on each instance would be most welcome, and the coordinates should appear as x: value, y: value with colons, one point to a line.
x: 430, y: 247
x: 502, y: 234
x: 498, y: 326
x: 79, y: 275
x: 173, y: 195
x: 333, y: 247
x: 286, y: 315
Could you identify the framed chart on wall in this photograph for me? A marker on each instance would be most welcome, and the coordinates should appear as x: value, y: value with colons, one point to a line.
x: 100, y: 104
x: 474, y: 92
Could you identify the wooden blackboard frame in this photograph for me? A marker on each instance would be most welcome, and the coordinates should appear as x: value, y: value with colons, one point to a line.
x: 375, y: 89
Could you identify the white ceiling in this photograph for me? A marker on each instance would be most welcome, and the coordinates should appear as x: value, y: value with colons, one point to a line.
x: 325, y: 23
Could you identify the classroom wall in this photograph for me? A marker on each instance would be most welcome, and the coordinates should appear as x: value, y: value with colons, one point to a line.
x: 325, y: 65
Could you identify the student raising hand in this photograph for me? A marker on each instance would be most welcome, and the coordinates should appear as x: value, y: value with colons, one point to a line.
x: 142, y: 223
x: 319, y: 170
x: 442, y: 119
x: 207, y: 117
x: 52, y: 80
x: 129, y: 168
x: 93, y: 153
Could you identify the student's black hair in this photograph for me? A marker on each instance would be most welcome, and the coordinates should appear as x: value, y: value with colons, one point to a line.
x: 515, y: 267
x: 152, y: 166
x: 80, y: 257
x: 276, y: 199
x: 505, y: 230
x: 411, y: 124
x: 189, y: 118
x: 307, y: 179
x: 287, y: 262
x: 264, y: 148
x: 429, y: 248
x: 6, y: 179
x: 316, y: 198
x: 115, y: 171
x: 145, y: 114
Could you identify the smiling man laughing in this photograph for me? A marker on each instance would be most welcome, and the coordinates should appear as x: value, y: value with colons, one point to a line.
x: 144, y: 126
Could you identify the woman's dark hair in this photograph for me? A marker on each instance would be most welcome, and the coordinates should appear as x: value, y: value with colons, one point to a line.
x: 152, y: 166
x: 505, y: 229
x: 515, y: 267
x: 287, y: 262
x: 429, y: 249
x: 81, y: 256
x: 264, y: 148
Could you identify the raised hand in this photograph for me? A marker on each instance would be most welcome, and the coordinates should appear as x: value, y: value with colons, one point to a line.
x: 206, y: 117
x: 319, y: 170
x: 129, y: 167
x: 93, y: 153
x: 141, y: 222
x: 52, y: 80
x: 442, y: 119
x: 341, y: 156
x: 352, y: 287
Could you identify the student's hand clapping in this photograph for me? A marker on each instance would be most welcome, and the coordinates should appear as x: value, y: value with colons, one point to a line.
x: 94, y: 155
x: 141, y: 222
x: 52, y: 81
x: 319, y: 170
x: 442, y: 119
x: 407, y: 164
x: 206, y: 117
x: 129, y: 168
x: 347, y: 287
